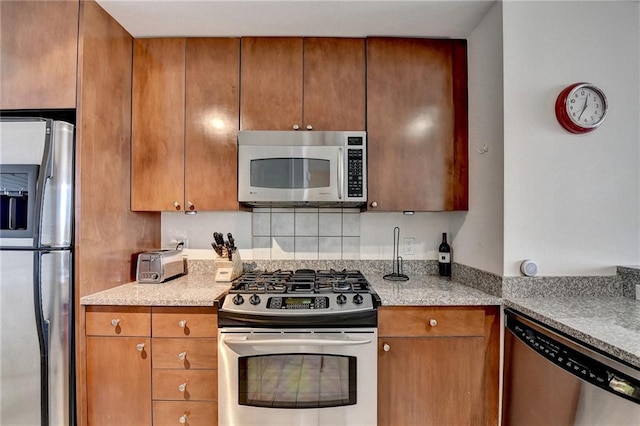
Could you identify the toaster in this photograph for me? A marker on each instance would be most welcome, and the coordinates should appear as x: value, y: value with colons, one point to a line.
x: 159, y: 266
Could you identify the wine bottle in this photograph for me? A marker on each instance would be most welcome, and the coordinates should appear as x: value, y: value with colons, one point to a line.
x: 444, y: 257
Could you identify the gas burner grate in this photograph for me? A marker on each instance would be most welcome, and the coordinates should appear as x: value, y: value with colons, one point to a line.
x: 301, y: 281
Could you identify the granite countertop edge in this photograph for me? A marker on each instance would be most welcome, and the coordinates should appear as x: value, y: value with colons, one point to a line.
x: 583, y: 327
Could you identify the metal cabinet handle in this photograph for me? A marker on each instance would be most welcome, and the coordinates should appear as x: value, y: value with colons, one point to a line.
x: 374, y: 204
x: 386, y: 347
x: 340, y: 173
x: 182, y: 323
x: 309, y: 127
x: 182, y: 356
x: 183, y: 418
x: 296, y: 127
x: 115, y: 322
x: 176, y: 205
x: 140, y: 347
x: 433, y: 322
x: 182, y: 387
x: 191, y: 206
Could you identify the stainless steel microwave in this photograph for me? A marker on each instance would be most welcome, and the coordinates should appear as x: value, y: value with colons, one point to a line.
x: 302, y: 168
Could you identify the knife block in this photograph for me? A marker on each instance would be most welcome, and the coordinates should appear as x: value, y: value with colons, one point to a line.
x: 228, y: 270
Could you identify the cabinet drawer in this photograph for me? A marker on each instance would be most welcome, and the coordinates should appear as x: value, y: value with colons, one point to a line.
x: 178, y: 385
x: 185, y: 354
x: 185, y: 322
x: 171, y: 413
x: 430, y: 321
x: 118, y: 321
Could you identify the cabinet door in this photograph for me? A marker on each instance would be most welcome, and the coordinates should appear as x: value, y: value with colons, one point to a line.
x: 271, y: 79
x: 39, y: 45
x: 431, y: 381
x: 118, y: 381
x: 157, y: 170
x: 334, y: 83
x: 212, y: 122
x: 417, y: 124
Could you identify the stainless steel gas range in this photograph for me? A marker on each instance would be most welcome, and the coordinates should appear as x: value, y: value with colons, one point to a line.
x: 298, y: 348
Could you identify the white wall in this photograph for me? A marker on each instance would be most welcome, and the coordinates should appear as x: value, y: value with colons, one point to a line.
x: 479, y: 241
x: 571, y: 202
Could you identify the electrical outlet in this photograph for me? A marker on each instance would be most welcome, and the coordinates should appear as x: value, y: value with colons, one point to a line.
x: 409, y: 246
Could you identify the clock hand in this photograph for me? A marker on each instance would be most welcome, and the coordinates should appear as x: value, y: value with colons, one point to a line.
x: 584, y: 107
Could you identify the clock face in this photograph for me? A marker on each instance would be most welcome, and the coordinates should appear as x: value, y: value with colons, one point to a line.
x: 581, y: 107
x: 586, y: 106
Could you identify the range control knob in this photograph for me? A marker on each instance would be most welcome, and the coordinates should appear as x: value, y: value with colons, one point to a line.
x: 238, y: 299
x: 358, y: 299
x: 341, y: 299
x: 254, y: 299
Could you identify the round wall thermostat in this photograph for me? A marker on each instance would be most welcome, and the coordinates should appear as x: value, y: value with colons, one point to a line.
x: 529, y: 268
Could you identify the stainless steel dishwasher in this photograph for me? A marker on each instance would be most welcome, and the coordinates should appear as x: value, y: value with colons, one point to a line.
x: 552, y: 380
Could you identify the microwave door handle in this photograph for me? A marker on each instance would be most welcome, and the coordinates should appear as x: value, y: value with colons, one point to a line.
x: 340, y: 173
x: 295, y: 342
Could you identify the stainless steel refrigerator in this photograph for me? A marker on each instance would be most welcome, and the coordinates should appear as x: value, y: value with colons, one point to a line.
x: 36, y: 264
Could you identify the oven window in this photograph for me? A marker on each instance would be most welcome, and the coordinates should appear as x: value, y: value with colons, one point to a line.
x: 290, y: 173
x: 297, y: 380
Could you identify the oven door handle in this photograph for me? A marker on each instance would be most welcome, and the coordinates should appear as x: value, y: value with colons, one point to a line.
x: 296, y: 342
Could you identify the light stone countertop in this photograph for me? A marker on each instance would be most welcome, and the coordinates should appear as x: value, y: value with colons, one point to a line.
x: 200, y: 289
x: 610, y: 324
x: 188, y: 290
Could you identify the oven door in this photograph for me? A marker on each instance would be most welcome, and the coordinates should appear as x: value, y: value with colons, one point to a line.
x: 287, y: 174
x: 297, y: 377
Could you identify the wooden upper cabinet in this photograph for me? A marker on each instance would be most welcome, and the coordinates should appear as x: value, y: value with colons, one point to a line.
x: 185, y: 123
x: 39, y: 48
x: 417, y: 124
x: 157, y: 170
x: 271, y: 80
x: 334, y: 84
x: 312, y: 83
x: 211, y: 150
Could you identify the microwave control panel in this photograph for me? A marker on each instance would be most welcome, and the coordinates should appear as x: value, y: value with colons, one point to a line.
x: 355, y: 165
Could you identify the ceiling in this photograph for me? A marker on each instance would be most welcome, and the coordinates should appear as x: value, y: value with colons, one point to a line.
x: 341, y: 18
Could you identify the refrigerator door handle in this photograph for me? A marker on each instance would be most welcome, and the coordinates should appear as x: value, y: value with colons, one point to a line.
x: 56, y: 183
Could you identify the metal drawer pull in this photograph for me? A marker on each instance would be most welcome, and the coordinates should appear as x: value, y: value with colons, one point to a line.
x: 115, y: 322
x: 140, y: 347
x: 183, y: 418
x: 182, y: 323
x: 433, y: 322
x: 182, y: 387
x: 386, y: 347
x: 182, y: 356
x: 293, y: 341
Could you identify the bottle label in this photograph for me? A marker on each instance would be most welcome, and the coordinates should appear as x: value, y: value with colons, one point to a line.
x: 445, y: 258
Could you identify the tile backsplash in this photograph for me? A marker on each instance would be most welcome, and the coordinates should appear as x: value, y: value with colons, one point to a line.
x: 306, y: 233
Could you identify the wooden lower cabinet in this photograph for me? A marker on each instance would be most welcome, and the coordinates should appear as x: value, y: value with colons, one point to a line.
x: 151, y: 366
x: 118, y: 365
x: 438, y: 366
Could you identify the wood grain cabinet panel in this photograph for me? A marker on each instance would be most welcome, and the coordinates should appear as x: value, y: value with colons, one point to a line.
x: 444, y: 378
x: 186, y: 354
x: 173, y: 385
x: 171, y: 413
x: 39, y: 48
x: 118, y: 381
x: 157, y: 169
x: 182, y: 322
x: 417, y: 124
x: 185, y: 122
x: 118, y: 321
x: 291, y: 83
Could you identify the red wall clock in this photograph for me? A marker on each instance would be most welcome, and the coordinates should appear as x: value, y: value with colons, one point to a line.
x: 581, y: 107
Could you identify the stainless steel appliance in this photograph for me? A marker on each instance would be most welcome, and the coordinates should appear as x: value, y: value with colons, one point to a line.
x: 551, y: 379
x: 298, y: 348
x: 36, y: 303
x: 295, y: 168
x: 158, y: 266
